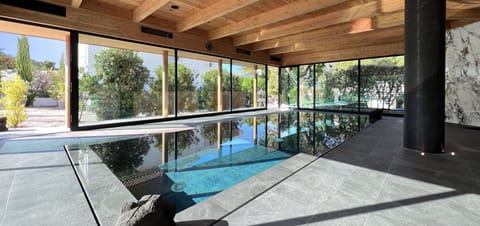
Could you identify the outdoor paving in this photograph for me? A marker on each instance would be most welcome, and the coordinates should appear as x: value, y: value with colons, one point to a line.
x: 369, y: 180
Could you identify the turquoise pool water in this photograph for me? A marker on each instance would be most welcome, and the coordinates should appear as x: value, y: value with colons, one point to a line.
x: 189, y: 166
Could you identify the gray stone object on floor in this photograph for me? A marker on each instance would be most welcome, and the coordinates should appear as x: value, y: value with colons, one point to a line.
x: 149, y: 210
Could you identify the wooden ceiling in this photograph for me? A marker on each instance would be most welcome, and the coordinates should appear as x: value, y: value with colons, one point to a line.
x: 297, y: 31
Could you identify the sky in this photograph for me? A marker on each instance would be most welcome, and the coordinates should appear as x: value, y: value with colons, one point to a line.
x: 41, y: 49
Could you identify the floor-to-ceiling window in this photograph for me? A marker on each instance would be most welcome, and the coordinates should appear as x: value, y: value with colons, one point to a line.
x: 260, y: 87
x: 354, y: 85
x: 201, y: 81
x: 381, y: 83
x: 306, y: 81
x: 123, y: 81
x: 243, y: 78
x: 272, y: 89
x: 120, y: 82
x: 337, y: 86
x: 288, y: 87
x: 34, y: 77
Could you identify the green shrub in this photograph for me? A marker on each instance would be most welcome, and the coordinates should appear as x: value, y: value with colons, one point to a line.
x: 13, y: 101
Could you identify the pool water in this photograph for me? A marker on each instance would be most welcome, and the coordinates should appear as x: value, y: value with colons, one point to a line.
x: 189, y: 166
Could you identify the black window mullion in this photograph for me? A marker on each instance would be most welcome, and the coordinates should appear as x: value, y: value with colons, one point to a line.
x: 358, y: 85
x: 74, y: 92
x: 176, y: 85
x: 231, y: 85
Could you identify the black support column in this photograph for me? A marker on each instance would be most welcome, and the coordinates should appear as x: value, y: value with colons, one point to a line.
x: 424, y: 125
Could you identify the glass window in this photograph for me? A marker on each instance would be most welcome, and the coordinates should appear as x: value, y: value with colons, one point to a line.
x: 288, y: 128
x: 121, y: 80
x: 272, y: 89
x: 337, y: 85
x: 261, y: 87
x: 381, y: 83
x: 288, y: 87
x: 306, y: 86
x: 197, y: 83
x: 243, y: 84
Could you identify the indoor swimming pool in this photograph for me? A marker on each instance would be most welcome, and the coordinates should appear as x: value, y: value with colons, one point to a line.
x: 191, y: 165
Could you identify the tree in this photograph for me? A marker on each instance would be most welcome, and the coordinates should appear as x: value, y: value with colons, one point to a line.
x: 383, y: 83
x: 87, y: 88
x: 288, y: 80
x: 14, y: 92
x: 6, y: 61
x: 272, y: 88
x: 57, y: 89
x: 122, y: 77
x: 40, y: 83
x: 24, y: 64
x: 123, y: 156
x: 208, y: 91
x: 43, y: 65
x: 186, y: 89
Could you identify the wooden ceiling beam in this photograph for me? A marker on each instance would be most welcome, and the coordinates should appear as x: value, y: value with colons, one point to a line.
x: 374, y: 50
x: 377, y: 22
x: 465, y: 14
x: 351, y: 40
x: 29, y: 30
x: 334, y: 30
x: 76, y: 3
x: 462, y: 4
x: 284, y: 12
x: 212, y: 12
x: 357, y: 9
x: 88, y: 21
x: 147, y: 8
x: 452, y: 24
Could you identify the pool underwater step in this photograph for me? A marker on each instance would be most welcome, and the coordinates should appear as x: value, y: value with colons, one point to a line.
x: 232, y: 164
x: 217, y: 179
x: 238, y: 195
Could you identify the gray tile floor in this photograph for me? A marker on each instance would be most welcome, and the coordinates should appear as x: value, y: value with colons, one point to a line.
x: 369, y: 180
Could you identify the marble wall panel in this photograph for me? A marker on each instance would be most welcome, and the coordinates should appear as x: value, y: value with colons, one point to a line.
x: 462, y: 81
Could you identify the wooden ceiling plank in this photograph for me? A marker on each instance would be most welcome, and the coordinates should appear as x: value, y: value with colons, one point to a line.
x: 357, y: 40
x: 334, y: 30
x: 76, y: 3
x: 147, y: 8
x: 88, y: 21
x: 378, y: 22
x: 459, y: 4
x: 452, y: 24
x: 324, y: 20
x: 374, y: 50
x: 465, y: 14
x: 29, y: 30
x: 389, y: 19
x: 272, y: 16
x: 302, y: 47
x: 212, y: 12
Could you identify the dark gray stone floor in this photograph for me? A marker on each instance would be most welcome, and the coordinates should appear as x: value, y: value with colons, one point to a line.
x: 369, y: 180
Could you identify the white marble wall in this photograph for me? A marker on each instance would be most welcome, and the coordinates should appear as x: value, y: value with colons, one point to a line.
x: 462, y: 104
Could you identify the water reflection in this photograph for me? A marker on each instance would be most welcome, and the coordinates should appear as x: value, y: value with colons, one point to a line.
x: 123, y: 163
x: 187, y: 167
